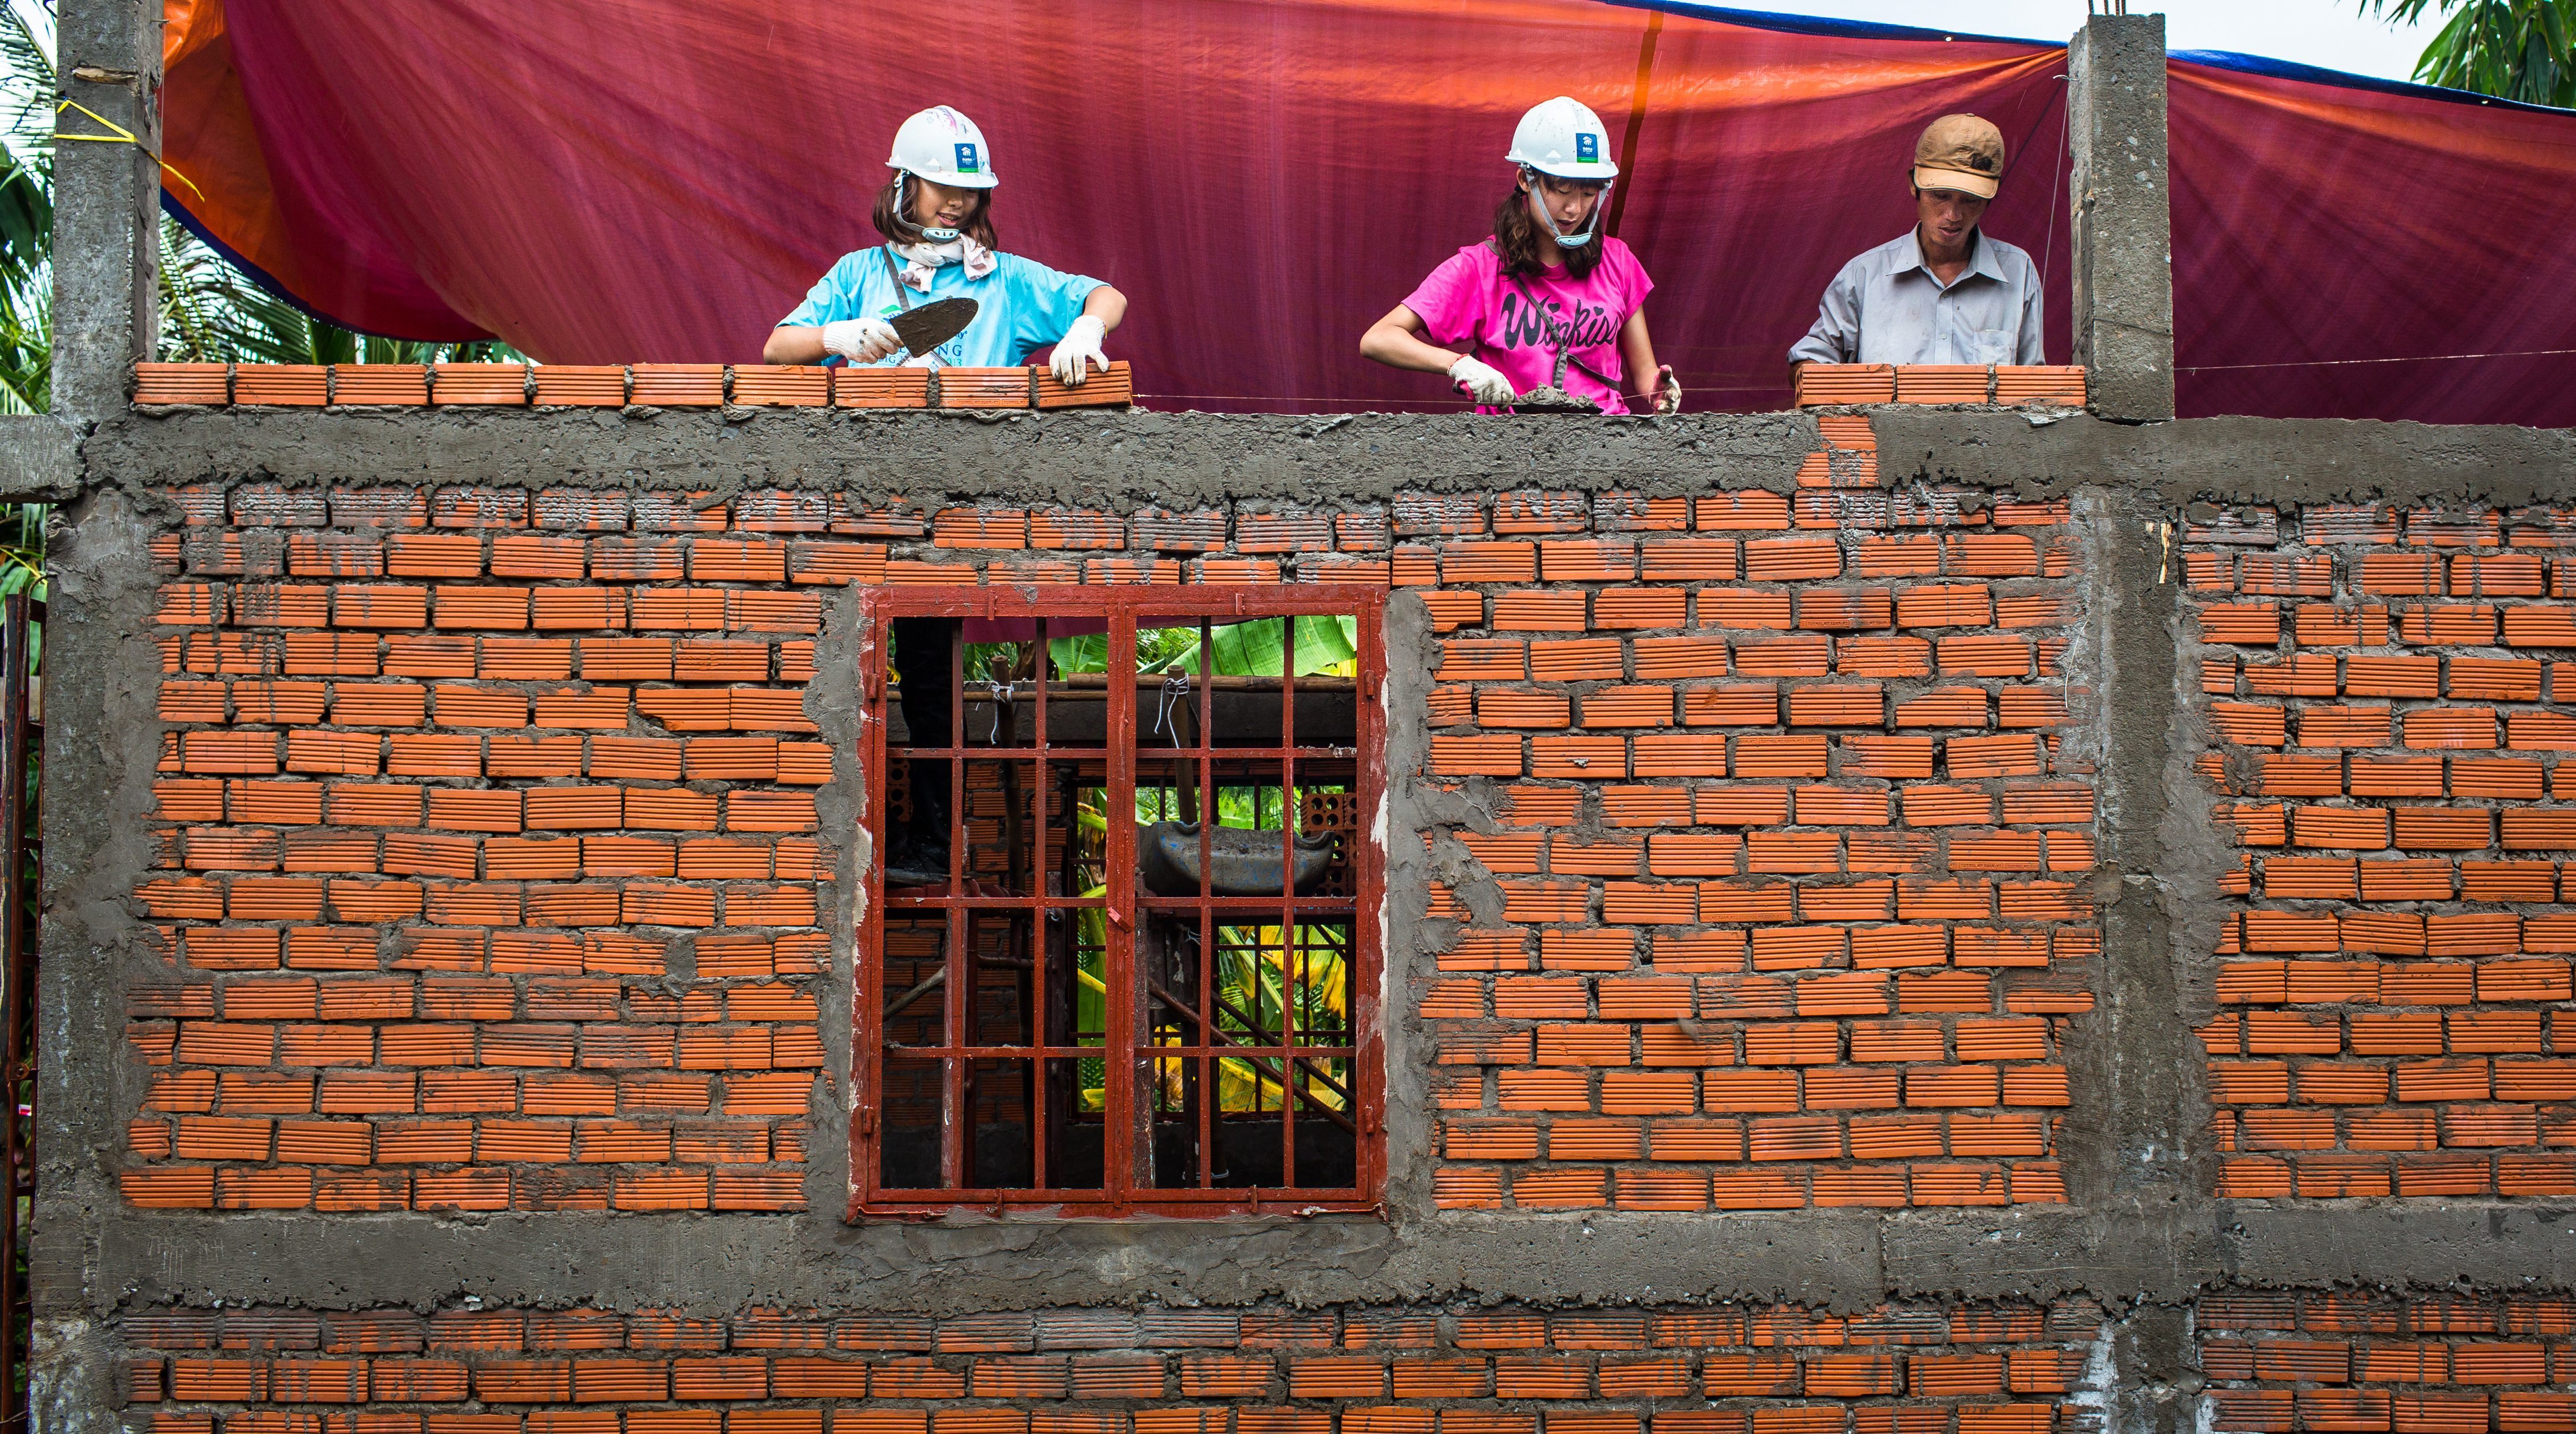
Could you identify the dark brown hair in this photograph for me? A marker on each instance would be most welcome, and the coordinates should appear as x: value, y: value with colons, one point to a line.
x: 1516, y: 239
x: 898, y: 227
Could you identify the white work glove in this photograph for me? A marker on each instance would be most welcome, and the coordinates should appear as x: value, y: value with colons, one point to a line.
x: 1482, y: 380
x: 861, y: 340
x: 1668, y: 391
x: 1078, y: 350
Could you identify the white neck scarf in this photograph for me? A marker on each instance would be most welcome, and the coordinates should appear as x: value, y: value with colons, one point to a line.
x: 921, y: 260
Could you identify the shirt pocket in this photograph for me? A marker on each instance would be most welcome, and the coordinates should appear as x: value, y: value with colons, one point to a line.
x: 1992, y: 346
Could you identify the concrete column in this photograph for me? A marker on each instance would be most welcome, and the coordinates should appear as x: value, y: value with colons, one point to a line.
x: 107, y: 202
x: 2123, y: 217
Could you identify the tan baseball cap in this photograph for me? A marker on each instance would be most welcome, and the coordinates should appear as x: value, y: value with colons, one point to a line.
x: 1960, y: 152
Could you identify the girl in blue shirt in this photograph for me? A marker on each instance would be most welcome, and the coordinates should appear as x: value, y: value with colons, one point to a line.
x: 936, y: 216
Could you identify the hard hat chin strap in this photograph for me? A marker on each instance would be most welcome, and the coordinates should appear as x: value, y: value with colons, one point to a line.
x: 903, y: 210
x: 1547, y: 221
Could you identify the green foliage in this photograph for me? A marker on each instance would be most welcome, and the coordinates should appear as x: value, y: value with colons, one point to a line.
x: 2512, y: 49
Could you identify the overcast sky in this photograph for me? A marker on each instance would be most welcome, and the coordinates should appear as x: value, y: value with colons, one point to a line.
x: 2331, y: 34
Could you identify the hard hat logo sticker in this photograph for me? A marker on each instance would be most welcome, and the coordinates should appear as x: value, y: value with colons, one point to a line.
x: 1587, y: 148
x: 966, y: 159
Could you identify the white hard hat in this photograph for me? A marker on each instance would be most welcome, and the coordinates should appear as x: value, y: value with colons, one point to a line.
x: 944, y: 147
x: 1565, y: 138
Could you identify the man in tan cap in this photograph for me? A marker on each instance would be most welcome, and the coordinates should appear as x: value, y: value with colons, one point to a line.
x: 1944, y: 293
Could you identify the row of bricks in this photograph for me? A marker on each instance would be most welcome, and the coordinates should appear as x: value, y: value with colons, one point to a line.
x: 468, y: 1188
x: 312, y: 900
x: 532, y: 1044
x: 1841, y: 704
x: 1820, y: 1086
x: 2365, y: 775
x: 2351, y: 726
x: 2406, y: 933
x: 2442, y: 625
x: 2259, y: 624
x: 2340, y: 1176
x: 498, y: 859
x: 2456, y: 1127
x: 350, y: 648
x: 1765, y: 948
x: 2358, y: 829
x: 257, y: 1139
x: 660, y: 558
x: 1920, y: 805
x: 778, y: 510
x: 1685, y: 803
x: 1882, y: 1418
x: 676, y: 709
x: 268, y: 655
x: 1766, y: 901
x: 467, y: 998
x: 580, y: 706
x: 466, y: 754
x: 2404, y: 1033
x: 460, y: 1142
x: 506, y: 810
x: 2011, y: 1038
x: 1917, y: 993
x: 618, y: 951
x: 1701, y: 658
x: 1763, y: 1001
x: 2439, y: 1081
x: 1555, y: 1187
x: 1779, y: 1138
x: 654, y: 1094
x: 1751, y: 756
x: 478, y: 1330
x: 1805, y: 625
x: 1866, y: 848
x: 2372, y: 983
x: 832, y: 564
x: 2320, y: 575
x: 2317, y: 674
x: 2456, y: 1314
x: 538, y: 662
x: 2248, y: 1411
x: 539, y: 1379
x: 2340, y: 523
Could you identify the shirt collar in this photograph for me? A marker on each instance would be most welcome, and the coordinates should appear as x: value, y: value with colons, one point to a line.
x: 1981, y: 257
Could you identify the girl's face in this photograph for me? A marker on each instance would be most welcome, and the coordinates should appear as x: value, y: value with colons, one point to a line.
x: 1568, y: 201
x: 939, y: 206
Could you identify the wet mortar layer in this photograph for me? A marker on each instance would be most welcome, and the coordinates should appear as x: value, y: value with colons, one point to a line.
x: 2144, y: 1230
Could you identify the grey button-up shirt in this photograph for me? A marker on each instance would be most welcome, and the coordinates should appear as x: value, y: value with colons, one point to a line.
x: 1885, y: 307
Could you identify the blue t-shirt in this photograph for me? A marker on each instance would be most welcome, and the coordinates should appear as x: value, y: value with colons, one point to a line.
x: 1026, y: 306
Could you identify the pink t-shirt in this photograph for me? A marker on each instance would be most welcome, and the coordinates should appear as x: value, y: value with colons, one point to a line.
x: 1470, y: 300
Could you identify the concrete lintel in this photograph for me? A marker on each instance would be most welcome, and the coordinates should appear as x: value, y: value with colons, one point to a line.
x: 107, y: 201
x: 2489, y: 1245
x: 2254, y: 460
x: 1091, y: 460
x: 2123, y: 222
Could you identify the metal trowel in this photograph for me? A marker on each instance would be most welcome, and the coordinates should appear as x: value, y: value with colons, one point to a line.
x: 929, y: 325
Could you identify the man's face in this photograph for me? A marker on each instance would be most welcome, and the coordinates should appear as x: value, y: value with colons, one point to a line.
x: 1947, y: 215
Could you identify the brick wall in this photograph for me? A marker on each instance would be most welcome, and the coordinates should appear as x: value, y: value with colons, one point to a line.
x: 1787, y: 849
x: 490, y: 863
x: 2437, y: 1363
x: 2392, y: 986
x: 1970, y: 1369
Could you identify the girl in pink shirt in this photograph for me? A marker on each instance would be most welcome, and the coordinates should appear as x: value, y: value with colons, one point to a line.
x: 1548, y: 301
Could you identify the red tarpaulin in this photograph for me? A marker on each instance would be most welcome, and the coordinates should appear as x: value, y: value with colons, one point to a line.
x: 646, y: 180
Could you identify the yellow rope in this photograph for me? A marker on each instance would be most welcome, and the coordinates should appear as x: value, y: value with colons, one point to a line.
x: 121, y: 136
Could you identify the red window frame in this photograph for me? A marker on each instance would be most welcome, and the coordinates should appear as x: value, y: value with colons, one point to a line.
x: 1120, y: 1193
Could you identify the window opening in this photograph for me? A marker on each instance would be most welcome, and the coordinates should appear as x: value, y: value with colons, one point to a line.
x: 1114, y: 956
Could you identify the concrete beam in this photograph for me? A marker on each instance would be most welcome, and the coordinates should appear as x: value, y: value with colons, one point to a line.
x: 107, y: 202
x: 2123, y: 218
x: 39, y: 458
